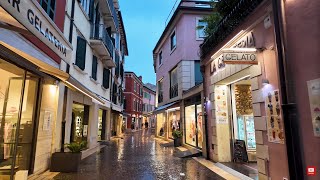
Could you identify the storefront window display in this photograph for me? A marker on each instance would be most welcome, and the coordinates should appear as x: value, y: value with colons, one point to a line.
x: 193, y: 122
x: 243, y: 120
x: 161, y: 125
x: 18, y: 97
x: 80, y: 119
x: 174, y: 119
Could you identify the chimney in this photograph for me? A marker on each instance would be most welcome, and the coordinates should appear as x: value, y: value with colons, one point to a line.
x: 140, y: 77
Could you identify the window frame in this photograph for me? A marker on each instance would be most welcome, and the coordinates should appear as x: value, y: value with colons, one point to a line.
x: 198, y: 38
x: 49, y: 8
x: 85, y: 8
x: 172, y: 48
x: 160, y: 58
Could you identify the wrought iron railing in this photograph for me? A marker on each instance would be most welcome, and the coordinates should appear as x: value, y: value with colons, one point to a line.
x: 99, y: 32
x: 228, y: 24
x: 160, y: 97
x: 114, y: 13
x: 174, y: 91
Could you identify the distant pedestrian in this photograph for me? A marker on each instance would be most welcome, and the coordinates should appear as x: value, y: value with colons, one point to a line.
x: 146, y: 125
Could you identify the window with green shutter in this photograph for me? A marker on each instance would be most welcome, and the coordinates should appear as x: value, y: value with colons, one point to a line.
x: 81, y: 53
x: 106, y: 78
x: 94, y: 67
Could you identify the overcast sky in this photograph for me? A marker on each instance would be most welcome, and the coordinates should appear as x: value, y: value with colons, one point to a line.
x: 144, y: 22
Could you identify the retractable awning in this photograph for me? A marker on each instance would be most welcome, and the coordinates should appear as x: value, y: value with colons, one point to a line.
x: 164, y: 107
x: 53, y: 71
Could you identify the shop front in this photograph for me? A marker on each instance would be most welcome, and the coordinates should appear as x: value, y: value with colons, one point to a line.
x: 193, y: 122
x: 243, y: 109
x: 102, y: 121
x: 168, y: 119
x: 161, y: 127
x: 174, y: 121
x: 19, y: 90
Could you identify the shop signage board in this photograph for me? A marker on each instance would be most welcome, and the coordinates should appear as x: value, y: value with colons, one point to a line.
x: 30, y: 14
x: 274, y: 117
x: 314, y: 99
x: 221, y: 104
x: 235, y: 57
x: 240, y: 57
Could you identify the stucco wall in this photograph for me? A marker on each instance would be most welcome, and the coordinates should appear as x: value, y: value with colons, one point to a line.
x: 276, y: 165
x: 187, y: 49
x: 303, y: 32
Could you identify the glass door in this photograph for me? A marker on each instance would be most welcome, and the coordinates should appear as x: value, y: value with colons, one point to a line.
x: 194, y: 126
x: 199, y: 126
x: 18, y: 99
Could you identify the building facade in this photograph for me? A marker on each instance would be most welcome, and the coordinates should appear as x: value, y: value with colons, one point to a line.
x: 32, y: 51
x: 133, y: 101
x: 149, y: 96
x: 258, y: 101
x: 62, y: 63
x: 96, y: 32
x: 177, y: 67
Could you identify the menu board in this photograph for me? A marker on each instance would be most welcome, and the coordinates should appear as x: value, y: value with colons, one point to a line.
x: 314, y: 98
x: 221, y: 104
x: 274, y: 118
x: 240, y: 151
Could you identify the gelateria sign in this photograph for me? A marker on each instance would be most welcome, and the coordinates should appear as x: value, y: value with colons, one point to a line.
x: 240, y: 56
x: 30, y: 14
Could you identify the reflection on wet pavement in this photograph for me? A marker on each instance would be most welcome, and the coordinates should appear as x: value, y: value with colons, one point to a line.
x: 138, y: 156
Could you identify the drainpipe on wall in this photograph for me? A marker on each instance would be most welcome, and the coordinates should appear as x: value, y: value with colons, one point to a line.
x: 290, y: 115
x: 202, y: 69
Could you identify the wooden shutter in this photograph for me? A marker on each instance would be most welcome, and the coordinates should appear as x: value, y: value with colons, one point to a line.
x: 81, y: 53
x: 106, y: 78
x: 94, y: 67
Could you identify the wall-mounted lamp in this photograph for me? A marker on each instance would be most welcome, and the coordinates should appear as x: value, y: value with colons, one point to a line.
x: 265, y: 82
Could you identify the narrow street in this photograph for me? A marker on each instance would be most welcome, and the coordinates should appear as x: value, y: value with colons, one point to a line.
x: 138, y: 156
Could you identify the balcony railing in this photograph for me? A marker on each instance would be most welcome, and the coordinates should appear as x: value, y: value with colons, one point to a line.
x: 160, y: 97
x: 99, y: 32
x: 174, y: 91
x: 114, y: 13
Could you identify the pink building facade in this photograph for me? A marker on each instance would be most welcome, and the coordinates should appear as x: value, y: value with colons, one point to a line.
x: 248, y: 103
x: 177, y: 68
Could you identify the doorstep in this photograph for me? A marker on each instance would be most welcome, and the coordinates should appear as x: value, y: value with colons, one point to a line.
x: 222, y: 170
x: 187, y: 151
x: 248, y: 169
x: 43, y: 176
x: 165, y: 143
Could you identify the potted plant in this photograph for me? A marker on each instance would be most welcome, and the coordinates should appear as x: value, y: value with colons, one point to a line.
x: 68, y: 161
x: 177, y: 138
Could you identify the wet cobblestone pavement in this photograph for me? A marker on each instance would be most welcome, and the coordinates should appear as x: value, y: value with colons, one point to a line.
x: 138, y: 156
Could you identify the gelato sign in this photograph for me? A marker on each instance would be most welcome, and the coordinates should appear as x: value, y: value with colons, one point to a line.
x: 240, y: 57
x: 33, y: 17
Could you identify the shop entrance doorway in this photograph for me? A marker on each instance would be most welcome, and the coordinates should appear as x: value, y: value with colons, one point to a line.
x: 80, y: 121
x: 18, y: 107
x: 193, y: 125
x: 242, y: 121
x: 102, y: 124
